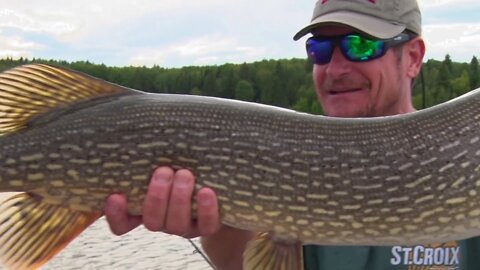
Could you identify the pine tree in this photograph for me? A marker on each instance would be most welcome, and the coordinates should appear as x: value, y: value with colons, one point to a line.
x: 474, y: 74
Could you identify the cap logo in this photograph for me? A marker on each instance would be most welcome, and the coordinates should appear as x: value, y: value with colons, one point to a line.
x: 371, y: 1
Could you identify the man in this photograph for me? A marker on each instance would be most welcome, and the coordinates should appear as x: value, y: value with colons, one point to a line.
x: 355, y: 75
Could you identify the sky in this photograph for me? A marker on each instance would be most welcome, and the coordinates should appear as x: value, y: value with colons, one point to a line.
x: 176, y: 33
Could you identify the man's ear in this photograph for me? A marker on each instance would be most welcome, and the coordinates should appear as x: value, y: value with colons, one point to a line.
x: 415, y: 51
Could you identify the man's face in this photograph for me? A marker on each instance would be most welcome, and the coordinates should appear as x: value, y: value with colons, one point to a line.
x: 352, y: 89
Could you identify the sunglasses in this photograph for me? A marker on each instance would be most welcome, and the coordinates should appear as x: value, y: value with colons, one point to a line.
x: 354, y: 47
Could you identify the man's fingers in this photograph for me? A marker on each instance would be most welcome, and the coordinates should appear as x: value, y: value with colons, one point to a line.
x: 156, y: 202
x: 118, y: 219
x: 208, y: 220
x: 179, y: 217
x: 168, y: 207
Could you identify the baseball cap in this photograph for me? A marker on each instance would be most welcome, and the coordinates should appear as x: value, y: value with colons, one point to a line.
x: 381, y: 19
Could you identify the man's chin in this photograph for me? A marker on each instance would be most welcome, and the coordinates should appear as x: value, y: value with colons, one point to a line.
x: 344, y: 113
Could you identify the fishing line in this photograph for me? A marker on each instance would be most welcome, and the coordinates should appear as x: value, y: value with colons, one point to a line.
x: 197, y: 250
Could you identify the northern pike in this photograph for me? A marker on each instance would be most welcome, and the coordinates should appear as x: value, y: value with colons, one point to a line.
x: 69, y: 140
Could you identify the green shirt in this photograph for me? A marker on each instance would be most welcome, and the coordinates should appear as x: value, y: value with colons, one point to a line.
x: 457, y: 255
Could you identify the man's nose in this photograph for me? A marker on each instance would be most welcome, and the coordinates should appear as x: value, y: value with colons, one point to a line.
x: 338, y: 65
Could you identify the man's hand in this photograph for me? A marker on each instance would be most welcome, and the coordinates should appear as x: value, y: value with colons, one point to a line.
x: 167, y: 207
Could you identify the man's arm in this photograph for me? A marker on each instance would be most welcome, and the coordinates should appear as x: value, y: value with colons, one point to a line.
x: 167, y: 208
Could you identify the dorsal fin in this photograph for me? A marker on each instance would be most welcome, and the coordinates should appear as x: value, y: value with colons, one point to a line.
x: 31, y: 90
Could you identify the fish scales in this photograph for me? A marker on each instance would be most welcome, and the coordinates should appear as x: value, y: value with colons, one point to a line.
x: 313, y: 179
x: 90, y: 143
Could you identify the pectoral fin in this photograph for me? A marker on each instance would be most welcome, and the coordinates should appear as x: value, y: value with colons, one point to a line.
x: 265, y: 252
x: 32, y: 232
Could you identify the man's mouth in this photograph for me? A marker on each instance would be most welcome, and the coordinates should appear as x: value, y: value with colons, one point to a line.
x: 343, y: 91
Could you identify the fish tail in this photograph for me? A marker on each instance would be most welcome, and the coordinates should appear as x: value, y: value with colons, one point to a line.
x: 32, y: 232
x: 32, y: 90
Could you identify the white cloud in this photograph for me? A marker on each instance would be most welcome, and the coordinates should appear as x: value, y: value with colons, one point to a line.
x: 16, y: 47
x: 16, y: 19
x: 148, y: 57
x: 185, y: 32
x: 460, y: 40
x: 76, y: 20
x: 446, y: 3
x: 155, y: 30
x: 207, y: 45
x: 207, y: 60
x: 206, y: 50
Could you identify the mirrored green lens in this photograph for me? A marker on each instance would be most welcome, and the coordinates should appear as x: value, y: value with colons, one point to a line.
x: 358, y: 48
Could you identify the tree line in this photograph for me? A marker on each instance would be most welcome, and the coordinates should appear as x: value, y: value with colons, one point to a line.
x: 285, y: 83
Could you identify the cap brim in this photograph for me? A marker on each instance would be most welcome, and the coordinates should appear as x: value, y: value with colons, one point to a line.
x: 369, y: 25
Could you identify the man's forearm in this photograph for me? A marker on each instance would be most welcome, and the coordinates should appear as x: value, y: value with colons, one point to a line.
x: 225, y: 248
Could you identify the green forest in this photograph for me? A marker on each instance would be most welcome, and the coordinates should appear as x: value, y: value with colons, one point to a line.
x: 285, y: 83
